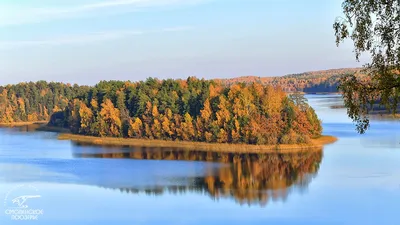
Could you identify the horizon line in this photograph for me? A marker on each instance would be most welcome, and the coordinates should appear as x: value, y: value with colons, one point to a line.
x: 218, y: 79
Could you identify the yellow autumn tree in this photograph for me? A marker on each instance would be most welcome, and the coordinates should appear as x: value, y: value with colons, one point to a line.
x: 21, y: 104
x: 32, y: 117
x: 135, y: 128
x: 156, y: 129
x: 94, y: 104
x: 86, y: 116
x: 56, y: 109
x: 166, y: 127
x: 111, y: 123
x: 235, y: 133
x: 222, y: 136
x: 45, y: 113
x: 155, y: 112
x: 223, y: 114
x: 206, y: 112
x: 187, y: 127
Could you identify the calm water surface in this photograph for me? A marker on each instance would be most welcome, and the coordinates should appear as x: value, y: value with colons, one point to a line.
x: 354, y: 181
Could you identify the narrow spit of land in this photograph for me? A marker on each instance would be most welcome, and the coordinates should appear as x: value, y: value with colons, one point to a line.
x: 317, y: 143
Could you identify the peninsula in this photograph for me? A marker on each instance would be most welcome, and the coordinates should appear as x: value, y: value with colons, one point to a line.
x: 192, y: 113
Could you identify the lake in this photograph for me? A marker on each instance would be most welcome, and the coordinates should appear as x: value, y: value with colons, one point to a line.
x: 353, y: 181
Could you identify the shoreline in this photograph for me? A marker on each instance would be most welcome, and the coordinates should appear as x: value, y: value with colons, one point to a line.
x: 19, y: 124
x: 380, y: 113
x: 200, y: 146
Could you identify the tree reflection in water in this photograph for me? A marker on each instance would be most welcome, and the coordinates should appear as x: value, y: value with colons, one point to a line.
x: 252, y: 179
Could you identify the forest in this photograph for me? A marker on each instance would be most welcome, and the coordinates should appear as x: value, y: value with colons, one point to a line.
x: 31, y: 102
x: 326, y: 81
x: 185, y: 110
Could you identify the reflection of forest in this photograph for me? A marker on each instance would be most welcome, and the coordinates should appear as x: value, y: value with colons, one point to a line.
x: 24, y: 128
x: 248, y: 178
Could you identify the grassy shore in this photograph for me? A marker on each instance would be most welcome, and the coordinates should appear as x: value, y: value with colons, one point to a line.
x: 199, y: 146
x: 20, y: 124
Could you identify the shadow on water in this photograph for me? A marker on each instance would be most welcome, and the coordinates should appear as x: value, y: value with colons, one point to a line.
x: 252, y: 179
x: 23, y: 128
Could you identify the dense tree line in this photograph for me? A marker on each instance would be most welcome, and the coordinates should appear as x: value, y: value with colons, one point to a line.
x: 191, y: 110
x: 187, y: 110
x: 28, y: 102
x: 308, y: 82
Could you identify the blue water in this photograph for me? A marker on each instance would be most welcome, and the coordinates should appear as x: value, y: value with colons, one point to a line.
x: 354, y: 181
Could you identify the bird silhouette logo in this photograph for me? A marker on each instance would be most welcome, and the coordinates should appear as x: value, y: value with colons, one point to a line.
x: 21, y: 200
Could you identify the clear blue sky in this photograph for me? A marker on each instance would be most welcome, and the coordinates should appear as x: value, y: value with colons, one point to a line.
x: 84, y: 41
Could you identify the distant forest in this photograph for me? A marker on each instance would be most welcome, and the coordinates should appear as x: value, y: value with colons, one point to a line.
x: 326, y: 81
x: 187, y: 110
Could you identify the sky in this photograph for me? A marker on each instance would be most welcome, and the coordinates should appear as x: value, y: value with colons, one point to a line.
x: 85, y: 41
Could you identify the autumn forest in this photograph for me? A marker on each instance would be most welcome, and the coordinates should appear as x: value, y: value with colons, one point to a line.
x: 325, y: 81
x: 185, y: 110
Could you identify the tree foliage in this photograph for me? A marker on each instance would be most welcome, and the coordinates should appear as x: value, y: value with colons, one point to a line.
x: 374, y: 28
x: 184, y: 110
x: 193, y: 110
x: 309, y: 82
x: 29, y: 102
